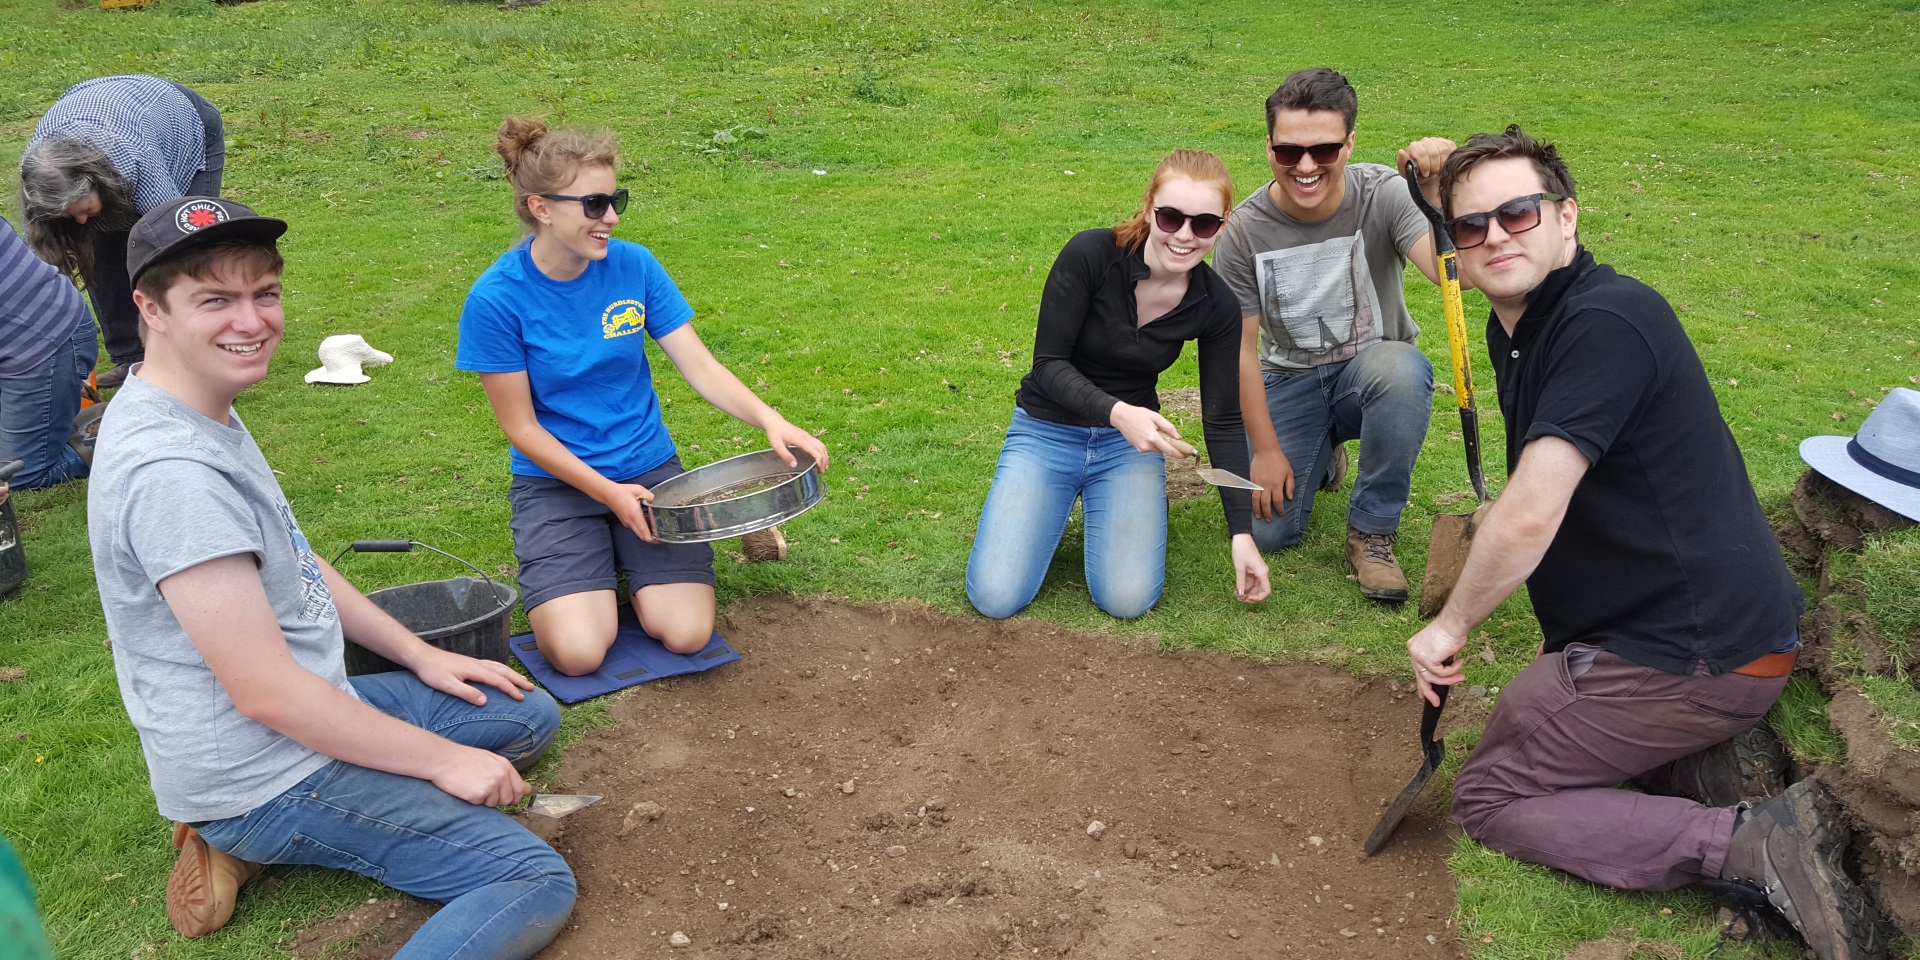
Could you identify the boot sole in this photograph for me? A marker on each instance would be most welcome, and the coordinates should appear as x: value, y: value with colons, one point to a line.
x: 1759, y: 771
x: 1851, y: 929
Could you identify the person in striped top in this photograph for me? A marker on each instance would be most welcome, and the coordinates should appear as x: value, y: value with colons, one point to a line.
x: 46, y: 351
x: 109, y: 150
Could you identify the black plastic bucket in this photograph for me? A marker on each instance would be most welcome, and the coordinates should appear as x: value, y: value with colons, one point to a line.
x: 466, y: 615
x: 13, y: 556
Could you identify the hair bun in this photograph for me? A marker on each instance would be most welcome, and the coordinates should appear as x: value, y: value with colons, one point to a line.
x: 516, y: 137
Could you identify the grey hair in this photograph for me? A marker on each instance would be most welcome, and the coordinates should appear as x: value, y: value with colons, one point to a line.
x: 57, y: 173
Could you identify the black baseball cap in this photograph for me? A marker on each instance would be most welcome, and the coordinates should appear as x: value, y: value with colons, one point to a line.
x: 191, y: 222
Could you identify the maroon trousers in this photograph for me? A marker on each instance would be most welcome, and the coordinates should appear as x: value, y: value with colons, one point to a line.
x: 1542, y: 786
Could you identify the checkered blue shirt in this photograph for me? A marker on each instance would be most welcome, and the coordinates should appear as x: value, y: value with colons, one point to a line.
x: 39, y: 308
x: 147, y: 126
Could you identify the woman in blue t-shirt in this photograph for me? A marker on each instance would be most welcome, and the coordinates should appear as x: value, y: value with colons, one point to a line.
x: 556, y: 328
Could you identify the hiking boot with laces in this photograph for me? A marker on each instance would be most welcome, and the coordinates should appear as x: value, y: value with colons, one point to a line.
x: 1750, y: 767
x: 1370, y: 557
x: 1782, y: 860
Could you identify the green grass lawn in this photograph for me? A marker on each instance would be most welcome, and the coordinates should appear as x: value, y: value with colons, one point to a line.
x: 861, y: 201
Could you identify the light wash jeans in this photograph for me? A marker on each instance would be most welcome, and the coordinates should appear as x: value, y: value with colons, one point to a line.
x: 37, y: 408
x: 506, y: 892
x: 1384, y: 397
x: 1043, y: 468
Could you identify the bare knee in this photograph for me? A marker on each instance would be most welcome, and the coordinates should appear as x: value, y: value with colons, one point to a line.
x: 681, y: 636
x: 574, y: 656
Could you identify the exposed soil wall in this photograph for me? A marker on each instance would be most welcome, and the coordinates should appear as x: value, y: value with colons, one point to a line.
x: 1880, y: 781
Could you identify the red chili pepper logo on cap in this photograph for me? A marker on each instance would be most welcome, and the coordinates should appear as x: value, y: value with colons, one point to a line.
x: 199, y: 215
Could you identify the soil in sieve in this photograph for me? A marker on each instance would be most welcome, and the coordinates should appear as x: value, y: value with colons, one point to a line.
x: 740, y: 489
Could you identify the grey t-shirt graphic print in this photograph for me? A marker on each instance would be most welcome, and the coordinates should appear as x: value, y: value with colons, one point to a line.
x: 1329, y: 289
x: 1320, y: 298
x: 316, y: 601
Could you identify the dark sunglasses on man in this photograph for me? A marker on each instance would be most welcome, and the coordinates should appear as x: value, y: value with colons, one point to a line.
x: 1171, y: 219
x: 1516, y: 216
x: 595, y: 205
x: 1289, y: 154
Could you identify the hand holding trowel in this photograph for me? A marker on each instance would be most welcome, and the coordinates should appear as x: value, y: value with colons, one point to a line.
x: 1213, y: 475
x: 1452, y: 532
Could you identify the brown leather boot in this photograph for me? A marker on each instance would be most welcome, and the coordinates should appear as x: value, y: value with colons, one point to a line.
x: 204, y: 884
x: 1370, y: 557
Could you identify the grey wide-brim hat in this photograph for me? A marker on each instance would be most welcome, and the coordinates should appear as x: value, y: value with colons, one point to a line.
x: 1882, y: 461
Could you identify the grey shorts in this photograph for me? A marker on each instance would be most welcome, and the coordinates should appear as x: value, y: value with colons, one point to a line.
x: 568, y: 542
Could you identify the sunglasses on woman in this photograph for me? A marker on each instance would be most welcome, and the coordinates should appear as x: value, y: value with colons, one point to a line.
x: 595, y: 205
x: 1516, y: 216
x: 1171, y: 219
x: 1289, y: 154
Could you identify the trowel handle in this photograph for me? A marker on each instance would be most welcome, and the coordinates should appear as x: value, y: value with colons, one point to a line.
x: 1186, y: 449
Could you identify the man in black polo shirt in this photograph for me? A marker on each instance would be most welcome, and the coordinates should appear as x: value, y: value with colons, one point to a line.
x: 1670, y: 619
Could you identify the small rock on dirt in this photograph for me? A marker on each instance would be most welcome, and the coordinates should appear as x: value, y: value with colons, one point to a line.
x: 679, y: 939
x: 646, y: 811
x: 1096, y: 829
x: 896, y: 851
x: 847, y: 787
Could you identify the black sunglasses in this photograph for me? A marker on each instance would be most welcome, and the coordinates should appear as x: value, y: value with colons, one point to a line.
x: 595, y: 204
x: 1171, y: 220
x: 1516, y: 216
x: 1289, y: 154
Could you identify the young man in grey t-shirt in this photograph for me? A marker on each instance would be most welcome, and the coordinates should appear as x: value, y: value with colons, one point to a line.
x: 227, y: 638
x: 1327, y: 354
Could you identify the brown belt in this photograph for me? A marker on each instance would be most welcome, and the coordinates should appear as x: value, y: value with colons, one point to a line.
x: 1771, y: 665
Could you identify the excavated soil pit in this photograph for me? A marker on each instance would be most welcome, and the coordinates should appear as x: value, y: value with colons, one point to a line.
x: 882, y: 782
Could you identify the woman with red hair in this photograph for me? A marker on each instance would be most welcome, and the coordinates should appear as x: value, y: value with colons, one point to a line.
x: 1118, y: 308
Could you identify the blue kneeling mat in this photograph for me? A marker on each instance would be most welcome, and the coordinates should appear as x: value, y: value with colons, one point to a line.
x: 634, y: 658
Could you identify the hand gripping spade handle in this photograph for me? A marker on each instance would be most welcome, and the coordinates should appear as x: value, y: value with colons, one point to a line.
x: 1456, y: 331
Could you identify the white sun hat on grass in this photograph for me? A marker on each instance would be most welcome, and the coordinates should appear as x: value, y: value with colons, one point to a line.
x: 1882, y: 461
x: 342, y: 358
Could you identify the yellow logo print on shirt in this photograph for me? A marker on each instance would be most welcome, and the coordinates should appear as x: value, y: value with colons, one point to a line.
x: 623, y: 317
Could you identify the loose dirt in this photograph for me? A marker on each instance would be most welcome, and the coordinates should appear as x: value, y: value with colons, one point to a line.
x: 882, y: 782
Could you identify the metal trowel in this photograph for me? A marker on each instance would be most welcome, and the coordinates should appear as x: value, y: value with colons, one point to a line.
x: 557, y: 805
x: 1213, y: 475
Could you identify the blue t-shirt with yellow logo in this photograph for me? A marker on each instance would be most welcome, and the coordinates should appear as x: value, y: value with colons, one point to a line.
x: 580, y: 343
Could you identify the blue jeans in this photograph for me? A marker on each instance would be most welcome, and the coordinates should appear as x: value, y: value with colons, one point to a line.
x: 1384, y: 397
x: 1043, y: 468
x: 506, y: 892
x: 37, y: 409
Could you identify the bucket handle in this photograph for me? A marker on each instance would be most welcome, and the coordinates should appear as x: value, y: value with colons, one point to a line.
x: 406, y: 546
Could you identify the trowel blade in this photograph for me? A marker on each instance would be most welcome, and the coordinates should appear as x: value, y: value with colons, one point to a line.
x: 1226, y: 478
x: 558, y: 805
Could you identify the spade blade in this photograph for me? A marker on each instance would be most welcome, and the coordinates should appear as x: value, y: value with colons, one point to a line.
x: 1433, y: 751
x: 558, y: 805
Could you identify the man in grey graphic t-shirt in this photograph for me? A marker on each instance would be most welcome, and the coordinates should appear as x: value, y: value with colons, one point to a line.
x: 1316, y: 258
x: 227, y: 638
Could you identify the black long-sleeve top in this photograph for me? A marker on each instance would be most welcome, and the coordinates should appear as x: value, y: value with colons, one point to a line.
x: 1088, y: 352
